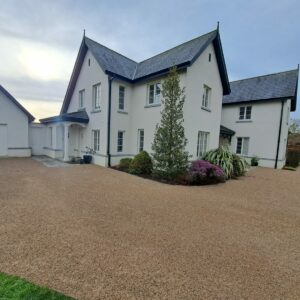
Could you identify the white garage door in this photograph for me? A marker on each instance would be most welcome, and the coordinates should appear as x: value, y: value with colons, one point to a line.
x: 3, y: 140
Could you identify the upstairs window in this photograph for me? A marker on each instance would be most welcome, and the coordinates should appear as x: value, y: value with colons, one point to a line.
x: 154, y: 93
x: 81, y: 99
x: 206, y: 97
x: 96, y: 96
x: 120, y: 141
x: 245, y: 113
x: 121, y: 97
x: 96, y: 140
x: 202, y: 143
x: 140, y: 140
x: 242, y: 145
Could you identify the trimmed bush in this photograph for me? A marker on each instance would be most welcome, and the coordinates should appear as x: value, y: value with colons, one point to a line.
x: 125, y: 163
x: 227, y: 161
x: 141, y: 164
x: 293, y: 158
x: 240, y: 166
x: 203, y: 172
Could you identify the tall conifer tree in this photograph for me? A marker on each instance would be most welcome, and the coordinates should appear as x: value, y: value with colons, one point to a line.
x: 169, y: 155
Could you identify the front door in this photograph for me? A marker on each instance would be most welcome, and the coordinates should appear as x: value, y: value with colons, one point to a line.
x: 3, y: 140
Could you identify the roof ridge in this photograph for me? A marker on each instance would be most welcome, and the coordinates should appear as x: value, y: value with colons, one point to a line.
x: 111, y: 49
x: 200, y: 36
x: 263, y: 75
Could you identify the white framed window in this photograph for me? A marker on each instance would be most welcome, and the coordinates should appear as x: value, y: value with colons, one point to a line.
x: 120, y: 141
x: 242, y: 145
x: 96, y: 96
x: 141, y: 138
x: 202, y: 143
x: 96, y: 140
x: 154, y: 93
x: 245, y: 113
x: 206, y: 96
x: 81, y: 99
x: 121, y: 97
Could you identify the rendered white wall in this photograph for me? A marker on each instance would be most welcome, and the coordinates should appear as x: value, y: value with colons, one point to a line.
x: 89, y: 76
x: 17, y: 127
x: 142, y: 117
x: 37, y: 138
x: 262, y: 130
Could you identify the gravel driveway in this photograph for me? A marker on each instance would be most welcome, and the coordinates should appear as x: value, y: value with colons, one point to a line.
x: 96, y: 233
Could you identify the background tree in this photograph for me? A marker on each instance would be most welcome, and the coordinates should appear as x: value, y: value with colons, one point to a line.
x: 295, y: 126
x: 169, y: 155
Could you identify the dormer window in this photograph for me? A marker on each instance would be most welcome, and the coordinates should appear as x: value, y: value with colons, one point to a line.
x: 245, y: 113
x: 154, y: 92
x: 206, y: 96
x: 81, y: 99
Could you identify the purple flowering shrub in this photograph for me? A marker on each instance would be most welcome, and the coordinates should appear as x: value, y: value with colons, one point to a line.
x: 204, y: 172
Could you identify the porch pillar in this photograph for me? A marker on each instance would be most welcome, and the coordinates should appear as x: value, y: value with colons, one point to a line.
x: 54, y: 137
x: 66, y: 142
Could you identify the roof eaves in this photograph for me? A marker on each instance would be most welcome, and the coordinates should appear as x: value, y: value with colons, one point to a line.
x: 75, y: 73
x: 31, y: 118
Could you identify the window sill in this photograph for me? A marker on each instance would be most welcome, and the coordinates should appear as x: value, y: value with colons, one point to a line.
x: 244, y: 121
x: 206, y: 108
x: 152, y: 105
x: 122, y: 112
x: 95, y: 111
x: 81, y: 109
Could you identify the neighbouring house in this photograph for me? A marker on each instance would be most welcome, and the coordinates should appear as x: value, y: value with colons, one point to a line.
x: 14, y: 126
x: 113, y: 103
x: 258, y: 112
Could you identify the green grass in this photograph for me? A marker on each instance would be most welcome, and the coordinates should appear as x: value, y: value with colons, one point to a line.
x: 15, y: 288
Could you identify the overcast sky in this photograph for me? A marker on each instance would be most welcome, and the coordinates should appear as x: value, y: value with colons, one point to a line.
x: 39, y: 39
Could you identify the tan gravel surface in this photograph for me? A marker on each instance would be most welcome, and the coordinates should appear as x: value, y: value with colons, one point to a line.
x: 95, y: 233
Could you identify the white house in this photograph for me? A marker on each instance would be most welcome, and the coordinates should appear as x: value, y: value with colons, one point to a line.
x: 113, y: 104
x: 258, y: 113
x: 14, y: 124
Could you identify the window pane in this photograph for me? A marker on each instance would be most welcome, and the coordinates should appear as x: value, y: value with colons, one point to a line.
x: 151, y: 94
x: 96, y: 95
x: 121, y: 97
x: 81, y: 99
x: 202, y: 143
x: 239, y: 146
x: 248, y: 112
x: 120, y: 141
x: 245, y: 146
x: 157, y: 93
x: 141, y: 140
x: 242, y: 113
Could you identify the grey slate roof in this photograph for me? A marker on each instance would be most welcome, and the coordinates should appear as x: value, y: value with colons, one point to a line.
x: 116, y: 63
x: 226, y: 131
x: 112, y: 61
x: 263, y: 88
x: 184, y: 53
x: 15, y: 101
x: 80, y: 116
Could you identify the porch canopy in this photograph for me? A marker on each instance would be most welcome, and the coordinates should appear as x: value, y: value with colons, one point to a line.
x: 76, y: 117
x: 226, y: 132
x: 64, y: 122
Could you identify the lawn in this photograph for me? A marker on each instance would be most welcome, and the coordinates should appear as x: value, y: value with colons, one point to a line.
x: 15, y: 288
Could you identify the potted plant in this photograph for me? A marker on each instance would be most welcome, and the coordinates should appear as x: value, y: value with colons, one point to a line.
x: 254, y: 161
x: 87, y: 158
